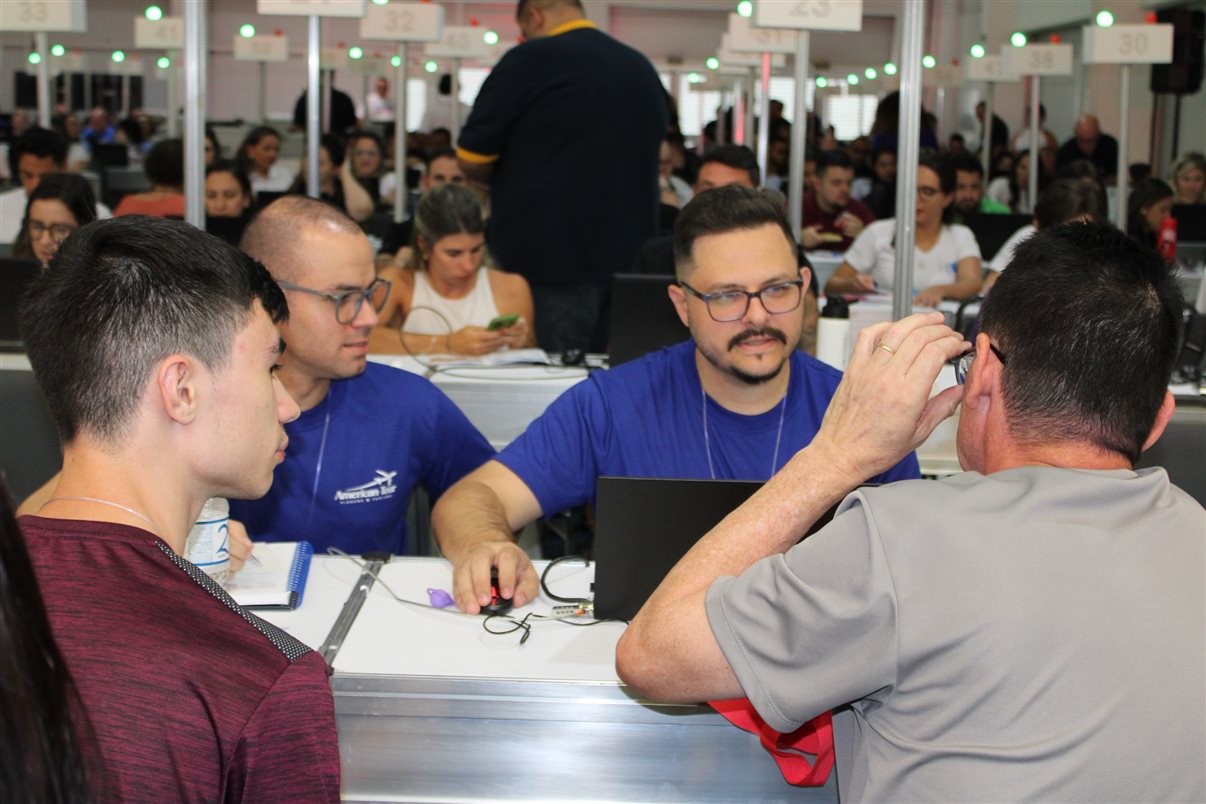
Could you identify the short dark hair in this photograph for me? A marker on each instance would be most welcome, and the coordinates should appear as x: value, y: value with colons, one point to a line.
x: 366, y: 134
x: 966, y: 162
x: 123, y: 294
x: 1068, y: 199
x: 164, y: 164
x: 443, y: 153
x: 738, y: 157
x: 228, y: 166
x: 836, y: 158
x: 522, y: 5
x: 1089, y: 321
x: 725, y: 209
x: 41, y: 143
x: 335, y: 147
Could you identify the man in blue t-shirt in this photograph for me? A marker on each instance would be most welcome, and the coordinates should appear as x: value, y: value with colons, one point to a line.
x: 734, y: 402
x: 368, y: 434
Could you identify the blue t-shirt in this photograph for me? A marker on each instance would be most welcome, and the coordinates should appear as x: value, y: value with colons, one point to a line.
x: 645, y: 419
x: 385, y: 432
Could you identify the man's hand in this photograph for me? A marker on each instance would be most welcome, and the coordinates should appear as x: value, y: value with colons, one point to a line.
x: 882, y: 410
x: 471, y: 576
x: 850, y: 224
x: 239, y: 544
x: 810, y: 237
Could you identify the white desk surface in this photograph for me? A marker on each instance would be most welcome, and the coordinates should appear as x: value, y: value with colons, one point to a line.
x: 391, y: 638
x: 330, y: 582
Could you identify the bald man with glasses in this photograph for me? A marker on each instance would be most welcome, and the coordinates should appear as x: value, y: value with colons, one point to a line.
x: 368, y: 434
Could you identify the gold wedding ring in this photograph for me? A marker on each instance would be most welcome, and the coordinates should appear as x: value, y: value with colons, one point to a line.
x: 887, y: 349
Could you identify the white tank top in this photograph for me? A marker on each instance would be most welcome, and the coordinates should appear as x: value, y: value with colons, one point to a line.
x: 476, y: 309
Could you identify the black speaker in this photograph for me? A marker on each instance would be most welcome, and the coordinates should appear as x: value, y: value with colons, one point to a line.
x: 1184, y: 75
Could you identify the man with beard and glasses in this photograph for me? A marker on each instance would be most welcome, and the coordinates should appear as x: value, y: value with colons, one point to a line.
x: 734, y: 402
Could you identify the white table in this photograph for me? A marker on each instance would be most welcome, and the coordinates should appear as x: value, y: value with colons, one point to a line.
x: 330, y: 582
x: 500, y: 401
x: 432, y: 708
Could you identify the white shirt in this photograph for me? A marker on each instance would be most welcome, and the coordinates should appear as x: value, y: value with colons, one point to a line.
x: 279, y: 179
x: 475, y: 310
x: 379, y: 109
x: 438, y: 113
x: 872, y: 253
x: 998, y: 190
x: 1005, y: 253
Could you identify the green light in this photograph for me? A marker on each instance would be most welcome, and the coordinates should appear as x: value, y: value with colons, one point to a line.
x: 871, y: 73
x: 355, y: 53
x: 1018, y: 39
x: 712, y: 63
x: 395, y: 61
x: 745, y: 8
x: 1104, y: 19
x: 164, y: 62
x: 431, y: 66
x: 118, y: 56
x: 694, y: 78
x: 852, y: 79
x: 490, y: 37
x: 889, y: 69
x: 35, y: 58
x: 381, y: 2
x: 929, y: 62
x: 977, y: 51
x: 57, y: 50
x: 154, y: 13
x: 822, y: 82
x: 247, y: 30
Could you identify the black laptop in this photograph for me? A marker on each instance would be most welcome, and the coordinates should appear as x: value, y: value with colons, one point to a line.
x: 15, y: 274
x: 643, y: 526
x: 643, y: 318
x: 991, y: 231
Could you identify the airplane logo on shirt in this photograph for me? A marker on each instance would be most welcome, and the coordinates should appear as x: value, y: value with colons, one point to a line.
x: 379, y: 488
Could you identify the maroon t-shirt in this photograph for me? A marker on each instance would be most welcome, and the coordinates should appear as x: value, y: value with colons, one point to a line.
x: 189, y: 696
x: 812, y: 215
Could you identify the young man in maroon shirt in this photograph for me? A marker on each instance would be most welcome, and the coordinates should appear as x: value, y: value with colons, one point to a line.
x: 155, y: 346
x: 831, y: 218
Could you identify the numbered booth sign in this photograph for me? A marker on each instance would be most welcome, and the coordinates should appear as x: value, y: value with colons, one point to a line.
x: 166, y: 33
x: 815, y: 15
x: 1038, y: 59
x: 309, y: 8
x: 1129, y: 44
x: 745, y: 38
x: 732, y: 58
x: 261, y: 48
x: 403, y: 22
x: 43, y: 16
x: 459, y: 42
x: 988, y: 68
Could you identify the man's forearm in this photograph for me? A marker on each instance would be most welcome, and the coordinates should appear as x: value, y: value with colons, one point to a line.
x: 466, y: 515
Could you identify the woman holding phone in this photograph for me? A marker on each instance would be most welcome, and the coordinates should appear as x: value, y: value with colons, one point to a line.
x: 444, y: 300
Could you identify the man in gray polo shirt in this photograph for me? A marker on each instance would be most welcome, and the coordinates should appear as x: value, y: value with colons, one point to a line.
x: 1030, y: 629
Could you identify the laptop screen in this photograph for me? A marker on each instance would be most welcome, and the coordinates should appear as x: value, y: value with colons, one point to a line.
x: 643, y: 526
x: 643, y: 318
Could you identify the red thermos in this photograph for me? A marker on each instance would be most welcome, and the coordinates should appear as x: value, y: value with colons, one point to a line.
x: 1167, y: 242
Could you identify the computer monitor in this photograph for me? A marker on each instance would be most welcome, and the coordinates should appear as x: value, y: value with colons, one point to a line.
x: 1191, y: 222
x: 991, y: 231
x: 643, y: 526
x: 15, y: 274
x: 643, y: 318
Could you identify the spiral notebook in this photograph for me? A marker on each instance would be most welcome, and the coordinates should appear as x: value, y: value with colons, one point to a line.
x: 278, y: 581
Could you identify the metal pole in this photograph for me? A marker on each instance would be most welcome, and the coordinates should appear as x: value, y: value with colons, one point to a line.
x: 764, y: 114
x: 1123, y: 135
x: 986, y: 155
x: 313, y: 110
x: 749, y: 109
x: 909, y: 134
x: 722, y: 128
x: 400, y: 189
x: 799, y: 133
x: 195, y: 37
x: 326, y: 114
x: 263, y: 104
x: 42, y: 43
x: 1032, y: 184
x: 456, y: 103
x: 173, y: 105
x: 738, y: 113
x: 125, y: 95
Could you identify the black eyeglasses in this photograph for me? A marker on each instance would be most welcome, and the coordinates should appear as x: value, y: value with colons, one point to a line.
x: 732, y: 305
x: 349, y: 302
x: 58, y: 231
x: 963, y: 362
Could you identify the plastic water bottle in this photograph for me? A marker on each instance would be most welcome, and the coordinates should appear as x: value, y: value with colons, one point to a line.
x: 208, y: 543
x: 833, y: 333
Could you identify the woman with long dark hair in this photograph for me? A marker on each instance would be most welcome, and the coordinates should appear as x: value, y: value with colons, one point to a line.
x: 1149, y: 204
x: 60, y: 204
